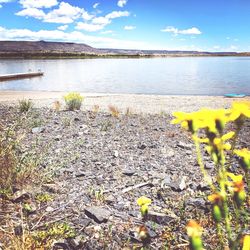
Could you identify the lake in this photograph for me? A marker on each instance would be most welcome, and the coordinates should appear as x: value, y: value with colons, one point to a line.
x: 164, y: 76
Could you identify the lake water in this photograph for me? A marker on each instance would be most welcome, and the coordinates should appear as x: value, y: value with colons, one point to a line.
x: 167, y: 76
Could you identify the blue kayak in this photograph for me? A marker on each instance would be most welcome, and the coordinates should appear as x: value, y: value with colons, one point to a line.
x: 235, y: 95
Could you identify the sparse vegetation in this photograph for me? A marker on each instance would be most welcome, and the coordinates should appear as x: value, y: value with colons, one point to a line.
x: 25, y: 105
x: 73, y: 101
x: 114, y: 111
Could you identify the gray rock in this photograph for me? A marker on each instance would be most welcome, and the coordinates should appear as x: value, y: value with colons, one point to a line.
x: 110, y: 199
x: 203, y: 186
x: 98, y: 214
x: 77, y: 242
x: 129, y: 172
x: 61, y: 245
x: 178, y: 184
x: 38, y: 130
x: 58, y: 138
x: 196, y: 202
x: 161, y: 218
x: 184, y: 145
x: 142, y: 146
x: 209, y: 165
x: 116, y: 153
x: 49, y: 209
x: 52, y: 188
x: 20, y: 195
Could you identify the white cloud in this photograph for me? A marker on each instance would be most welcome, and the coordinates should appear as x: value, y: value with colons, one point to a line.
x: 99, y: 23
x: 89, y: 26
x: 106, y: 32
x: 116, y: 14
x: 101, y: 20
x: 32, y: 12
x: 175, y: 31
x: 63, y: 27
x: 4, y: 1
x: 38, y: 3
x: 129, y: 27
x: 75, y: 36
x: 96, y: 5
x: 122, y: 3
x: 64, y: 14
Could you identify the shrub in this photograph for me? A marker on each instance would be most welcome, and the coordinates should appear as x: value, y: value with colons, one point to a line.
x: 114, y: 111
x: 73, y: 101
x: 25, y: 105
x: 230, y: 192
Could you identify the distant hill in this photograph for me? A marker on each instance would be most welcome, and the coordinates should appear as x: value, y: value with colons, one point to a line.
x: 43, y: 49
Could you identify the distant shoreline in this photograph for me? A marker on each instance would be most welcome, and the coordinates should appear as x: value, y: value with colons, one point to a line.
x: 138, y: 103
x: 63, y: 50
x: 38, y: 56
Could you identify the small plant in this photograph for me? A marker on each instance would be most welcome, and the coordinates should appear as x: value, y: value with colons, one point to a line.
x: 114, y: 111
x: 96, y: 109
x: 44, y: 197
x: 54, y: 232
x: 230, y: 193
x: 128, y: 111
x: 144, y: 203
x: 57, y: 106
x: 66, y: 122
x: 73, y: 101
x: 194, y: 232
x: 25, y: 105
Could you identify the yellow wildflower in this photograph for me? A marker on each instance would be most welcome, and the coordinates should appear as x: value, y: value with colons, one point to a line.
x: 244, y: 154
x: 143, y: 201
x: 246, y: 242
x: 212, y: 120
x: 215, y: 198
x: 237, y: 182
x: 194, y: 229
x: 237, y: 185
x: 240, y: 109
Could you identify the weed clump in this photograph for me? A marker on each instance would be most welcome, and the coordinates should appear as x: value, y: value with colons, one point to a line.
x: 25, y: 105
x: 73, y: 101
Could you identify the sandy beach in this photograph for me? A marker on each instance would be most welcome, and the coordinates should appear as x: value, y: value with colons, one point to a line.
x: 151, y: 104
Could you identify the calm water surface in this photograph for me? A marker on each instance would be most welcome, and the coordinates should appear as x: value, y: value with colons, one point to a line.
x: 181, y: 76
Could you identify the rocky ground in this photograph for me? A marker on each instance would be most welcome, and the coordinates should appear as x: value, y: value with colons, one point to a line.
x: 97, y: 166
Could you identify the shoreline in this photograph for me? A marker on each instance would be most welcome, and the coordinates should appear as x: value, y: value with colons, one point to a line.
x: 137, y: 103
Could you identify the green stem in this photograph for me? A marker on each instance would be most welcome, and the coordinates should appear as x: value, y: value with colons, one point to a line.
x: 225, y: 201
x: 201, y: 164
x: 218, y: 227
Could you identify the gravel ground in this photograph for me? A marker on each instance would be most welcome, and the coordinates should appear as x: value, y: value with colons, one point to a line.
x: 100, y: 165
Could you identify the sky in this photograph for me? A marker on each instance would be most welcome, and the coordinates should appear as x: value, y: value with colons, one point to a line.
x: 203, y: 25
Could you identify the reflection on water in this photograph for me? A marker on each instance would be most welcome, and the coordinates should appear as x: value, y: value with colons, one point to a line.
x: 185, y: 75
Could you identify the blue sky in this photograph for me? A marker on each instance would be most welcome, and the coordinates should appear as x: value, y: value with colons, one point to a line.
x: 222, y: 25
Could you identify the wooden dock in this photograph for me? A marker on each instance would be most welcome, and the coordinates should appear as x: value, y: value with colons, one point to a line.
x: 17, y: 76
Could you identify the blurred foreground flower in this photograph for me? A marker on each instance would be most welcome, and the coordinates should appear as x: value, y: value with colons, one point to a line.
x: 194, y: 231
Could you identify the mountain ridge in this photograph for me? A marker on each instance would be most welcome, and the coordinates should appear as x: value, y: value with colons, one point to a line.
x: 30, y: 49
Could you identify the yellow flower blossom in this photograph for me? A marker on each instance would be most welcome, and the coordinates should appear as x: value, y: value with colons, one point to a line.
x: 143, y: 201
x: 194, y: 229
x: 237, y: 182
x: 212, y: 120
x: 215, y: 198
x: 244, y: 154
x: 246, y: 242
x: 240, y: 109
